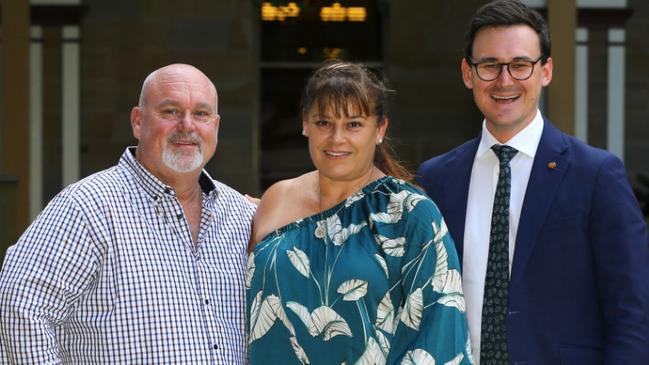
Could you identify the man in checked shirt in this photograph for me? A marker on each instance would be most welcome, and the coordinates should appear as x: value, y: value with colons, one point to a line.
x: 142, y: 263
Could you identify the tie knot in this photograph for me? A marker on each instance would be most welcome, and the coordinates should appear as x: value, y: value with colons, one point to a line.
x: 505, y: 153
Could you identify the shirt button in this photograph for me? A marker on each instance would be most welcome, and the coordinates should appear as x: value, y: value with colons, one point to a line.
x: 215, y: 347
x: 207, y: 301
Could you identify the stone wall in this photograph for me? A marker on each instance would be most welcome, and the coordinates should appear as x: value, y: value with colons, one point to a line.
x: 637, y: 91
x: 124, y: 40
x: 433, y: 111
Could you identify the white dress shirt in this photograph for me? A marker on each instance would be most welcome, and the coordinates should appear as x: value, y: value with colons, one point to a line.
x: 484, y: 177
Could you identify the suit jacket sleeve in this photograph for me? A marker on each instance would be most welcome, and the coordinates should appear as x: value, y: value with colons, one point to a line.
x: 618, y: 235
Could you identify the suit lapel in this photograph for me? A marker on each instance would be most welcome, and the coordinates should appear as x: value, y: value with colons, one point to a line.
x: 456, y: 191
x: 544, y: 181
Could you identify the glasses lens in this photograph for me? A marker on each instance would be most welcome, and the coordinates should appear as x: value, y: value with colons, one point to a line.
x: 488, y: 70
x: 521, y: 70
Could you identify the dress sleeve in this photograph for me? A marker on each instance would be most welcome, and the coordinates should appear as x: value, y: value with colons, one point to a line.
x: 431, y: 316
x: 42, y: 279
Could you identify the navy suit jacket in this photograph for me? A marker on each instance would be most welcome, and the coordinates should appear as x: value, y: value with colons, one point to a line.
x: 579, y: 289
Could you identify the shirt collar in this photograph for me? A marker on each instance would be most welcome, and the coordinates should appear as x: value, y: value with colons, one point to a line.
x: 152, y: 185
x: 526, y: 141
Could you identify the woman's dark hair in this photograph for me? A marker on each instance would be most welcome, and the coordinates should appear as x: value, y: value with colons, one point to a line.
x: 505, y: 13
x: 336, y: 85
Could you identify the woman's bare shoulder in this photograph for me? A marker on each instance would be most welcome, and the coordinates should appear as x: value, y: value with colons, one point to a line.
x: 282, y: 203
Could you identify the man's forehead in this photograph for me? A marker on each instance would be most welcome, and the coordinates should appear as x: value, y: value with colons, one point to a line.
x: 195, y: 103
x: 511, y: 42
x: 179, y: 91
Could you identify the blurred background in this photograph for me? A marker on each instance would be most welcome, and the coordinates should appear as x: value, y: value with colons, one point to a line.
x: 71, y: 70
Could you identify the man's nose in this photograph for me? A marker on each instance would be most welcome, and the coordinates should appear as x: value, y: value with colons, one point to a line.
x: 505, y: 78
x: 186, y: 120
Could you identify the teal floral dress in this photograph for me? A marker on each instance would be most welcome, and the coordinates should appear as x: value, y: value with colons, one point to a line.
x: 373, y: 280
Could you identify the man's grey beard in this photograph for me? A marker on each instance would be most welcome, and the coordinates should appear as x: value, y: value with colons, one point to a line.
x: 181, y: 161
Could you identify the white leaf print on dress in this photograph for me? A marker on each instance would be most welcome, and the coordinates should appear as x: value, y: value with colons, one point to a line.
x: 418, y: 357
x: 456, y: 360
x: 353, y: 290
x: 384, y: 343
x: 468, y: 350
x: 304, y: 315
x: 410, y: 202
x: 299, y: 351
x: 383, y: 264
x: 300, y: 261
x: 262, y: 316
x: 323, y: 320
x: 327, y: 321
x: 320, y: 229
x: 440, y: 232
x: 250, y: 270
x: 449, y: 283
x: 412, y: 310
x: 454, y: 301
x: 394, y: 209
x: 441, y: 266
x: 337, y: 234
x: 279, y: 312
x: 397, y: 318
x: 372, y: 355
x: 353, y: 198
x: 395, y: 206
x: 392, y: 246
x: 385, y: 314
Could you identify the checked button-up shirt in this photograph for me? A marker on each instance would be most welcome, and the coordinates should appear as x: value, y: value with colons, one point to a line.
x: 108, y: 274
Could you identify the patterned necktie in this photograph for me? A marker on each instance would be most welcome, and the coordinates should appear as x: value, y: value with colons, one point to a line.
x: 493, y: 340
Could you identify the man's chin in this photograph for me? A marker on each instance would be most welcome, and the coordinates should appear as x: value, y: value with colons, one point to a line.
x: 183, y: 166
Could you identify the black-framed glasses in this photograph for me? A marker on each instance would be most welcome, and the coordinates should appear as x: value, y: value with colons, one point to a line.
x: 519, y: 70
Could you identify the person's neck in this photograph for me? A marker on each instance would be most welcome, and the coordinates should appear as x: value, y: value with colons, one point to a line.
x: 504, y: 133
x: 331, y: 192
x: 188, y: 192
x: 186, y: 186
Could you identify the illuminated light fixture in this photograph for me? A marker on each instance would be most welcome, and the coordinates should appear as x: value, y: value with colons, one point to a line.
x: 301, y: 50
x: 337, y: 13
x: 332, y: 52
x: 333, y: 13
x: 279, y: 13
x: 356, y: 14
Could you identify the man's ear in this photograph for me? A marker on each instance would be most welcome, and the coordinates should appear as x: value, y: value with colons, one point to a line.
x: 136, y: 121
x: 217, y: 125
x: 546, y: 69
x: 467, y: 73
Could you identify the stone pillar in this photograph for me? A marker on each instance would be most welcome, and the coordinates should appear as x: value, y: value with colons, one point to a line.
x: 616, y: 85
x: 70, y: 90
x: 562, y: 17
x: 581, y: 85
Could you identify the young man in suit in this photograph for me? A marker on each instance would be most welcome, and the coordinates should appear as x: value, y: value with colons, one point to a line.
x: 553, y: 244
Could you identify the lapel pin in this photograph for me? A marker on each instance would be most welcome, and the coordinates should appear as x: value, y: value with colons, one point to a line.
x: 552, y: 165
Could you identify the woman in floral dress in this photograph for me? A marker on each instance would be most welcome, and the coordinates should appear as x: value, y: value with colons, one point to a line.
x: 350, y: 263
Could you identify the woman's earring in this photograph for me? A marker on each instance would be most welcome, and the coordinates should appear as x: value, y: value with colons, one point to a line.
x: 303, y: 132
x: 380, y: 141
